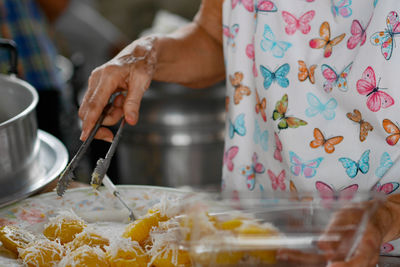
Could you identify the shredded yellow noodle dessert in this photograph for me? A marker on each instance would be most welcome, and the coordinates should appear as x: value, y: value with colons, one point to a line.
x: 168, y: 235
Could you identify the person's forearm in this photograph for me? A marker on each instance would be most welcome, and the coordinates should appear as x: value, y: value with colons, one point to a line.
x: 191, y: 57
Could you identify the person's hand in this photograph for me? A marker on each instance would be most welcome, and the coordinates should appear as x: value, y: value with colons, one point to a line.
x: 132, y: 71
x: 338, y: 238
x: 366, y: 254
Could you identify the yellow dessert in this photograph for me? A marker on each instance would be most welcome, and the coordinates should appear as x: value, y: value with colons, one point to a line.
x: 41, y: 253
x: 139, y: 230
x: 126, y: 253
x: 89, y: 238
x: 13, y: 238
x: 64, y: 227
x: 230, y: 224
x: 223, y: 245
x: 171, y: 258
x: 85, y: 256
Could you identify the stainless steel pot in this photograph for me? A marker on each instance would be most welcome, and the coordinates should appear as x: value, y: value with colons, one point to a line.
x: 19, y: 143
x: 179, y: 139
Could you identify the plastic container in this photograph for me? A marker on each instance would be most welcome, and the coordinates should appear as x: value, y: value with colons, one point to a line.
x: 283, y: 230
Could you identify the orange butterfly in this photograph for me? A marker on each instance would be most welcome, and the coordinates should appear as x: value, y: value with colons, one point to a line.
x: 295, y: 195
x: 227, y: 100
x: 320, y: 140
x: 240, y: 90
x: 392, y: 129
x: 261, y: 106
x: 305, y: 73
x: 364, y: 125
x: 326, y: 42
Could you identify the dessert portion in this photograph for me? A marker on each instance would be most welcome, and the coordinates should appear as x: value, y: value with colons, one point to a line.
x: 169, y: 234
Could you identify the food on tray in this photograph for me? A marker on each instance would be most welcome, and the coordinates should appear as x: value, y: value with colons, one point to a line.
x: 228, y: 243
x: 124, y: 252
x: 13, y: 238
x: 139, y: 230
x: 64, y: 227
x: 90, y: 238
x: 85, y: 256
x: 171, y: 258
x: 42, y: 252
x: 168, y: 235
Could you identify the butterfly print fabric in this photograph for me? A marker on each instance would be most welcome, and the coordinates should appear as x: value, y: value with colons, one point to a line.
x: 313, y: 97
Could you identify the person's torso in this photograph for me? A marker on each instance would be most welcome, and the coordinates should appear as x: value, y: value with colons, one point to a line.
x: 312, y: 95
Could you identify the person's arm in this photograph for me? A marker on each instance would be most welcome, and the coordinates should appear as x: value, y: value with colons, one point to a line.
x: 53, y: 8
x: 191, y: 56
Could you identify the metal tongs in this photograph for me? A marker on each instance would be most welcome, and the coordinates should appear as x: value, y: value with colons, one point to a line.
x: 99, y: 174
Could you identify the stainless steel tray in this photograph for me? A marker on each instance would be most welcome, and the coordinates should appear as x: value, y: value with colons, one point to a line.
x: 50, y: 161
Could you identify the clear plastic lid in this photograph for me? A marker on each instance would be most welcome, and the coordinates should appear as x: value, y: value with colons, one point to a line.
x: 282, y: 230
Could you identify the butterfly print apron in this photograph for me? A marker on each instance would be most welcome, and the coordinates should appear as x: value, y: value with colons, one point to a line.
x: 313, y: 97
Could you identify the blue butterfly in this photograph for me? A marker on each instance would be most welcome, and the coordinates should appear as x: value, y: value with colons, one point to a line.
x: 279, y: 76
x: 306, y: 168
x: 353, y: 167
x: 237, y: 127
x: 342, y: 7
x: 385, y: 164
x: 375, y: 3
x: 260, y: 137
x: 316, y: 107
x: 270, y: 44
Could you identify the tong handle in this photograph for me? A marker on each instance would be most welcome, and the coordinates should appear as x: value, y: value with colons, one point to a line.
x: 67, y: 174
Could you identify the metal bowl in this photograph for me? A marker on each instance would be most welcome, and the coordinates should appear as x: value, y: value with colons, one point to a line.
x: 19, y: 143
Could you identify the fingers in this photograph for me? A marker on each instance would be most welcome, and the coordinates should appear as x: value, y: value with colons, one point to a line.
x: 101, y: 86
x: 139, y: 81
x: 342, y: 227
x: 366, y: 260
x: 104, y: 134
x: 367, y: 253
x: 299, y: 257
x: 113, y: 116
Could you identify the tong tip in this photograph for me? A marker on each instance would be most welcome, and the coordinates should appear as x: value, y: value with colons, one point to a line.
x: 98, y: 174
x: 63, y: 182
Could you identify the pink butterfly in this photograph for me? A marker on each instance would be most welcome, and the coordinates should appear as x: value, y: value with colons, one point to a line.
x: 301, y: 167
x: 294, y: 24
x: 278, y: 150
x: 387, y: 188
x: 248, y: 4
x: 387, y: 248
x: 229, y: 155
x: 358, y: 35
x: 309, y: 1
x: 250, y: 54
x: 376, y: 98
x: 250, y: 171
x: 231, y: 33
x: 335, y: 79
x: 277, y: 181
x: 266, y: 6
x: 329, y: 194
